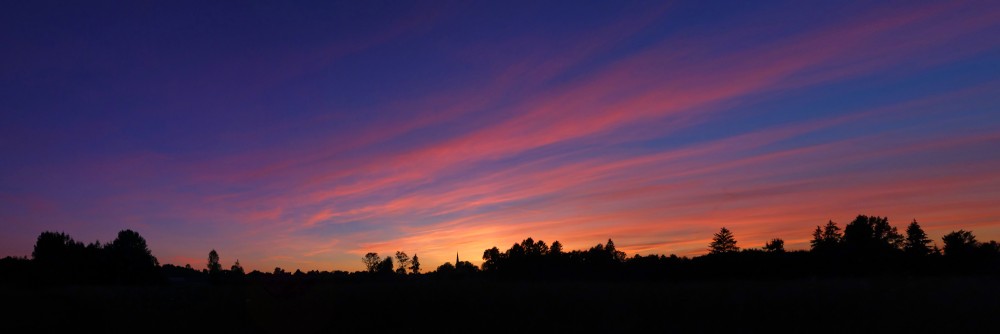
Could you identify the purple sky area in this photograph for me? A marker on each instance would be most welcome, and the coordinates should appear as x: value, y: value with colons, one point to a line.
x: 303, y: 135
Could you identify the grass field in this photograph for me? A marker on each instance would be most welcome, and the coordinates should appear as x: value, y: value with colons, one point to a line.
x: 894, y: 304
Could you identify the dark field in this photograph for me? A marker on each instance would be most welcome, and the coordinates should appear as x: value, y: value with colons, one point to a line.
x: 894, y: 304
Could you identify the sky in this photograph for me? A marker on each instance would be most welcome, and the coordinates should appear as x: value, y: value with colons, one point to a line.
x: 304, y: 135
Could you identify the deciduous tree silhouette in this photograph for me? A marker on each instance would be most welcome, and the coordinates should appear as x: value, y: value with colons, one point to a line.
x: 131, y: 258
x: 403, y: 261
x: 989, y: 249
x: 58, y: 256
x: 132, y: 245
x: 127, y: 259
x: 491, y: 259
x: 466, y: 267
x: 868, y: 235
x: 723, y: 242
x: 386, y: 267
x: 237, y: 269
x: 371, y: 261
x: 54, y: 247
x: 214, y: 267
x: 775, y: 246
x: 959, y: 243
x: 446, y: 268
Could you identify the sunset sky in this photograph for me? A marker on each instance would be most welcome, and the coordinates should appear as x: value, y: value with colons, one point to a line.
x: 303, y: 136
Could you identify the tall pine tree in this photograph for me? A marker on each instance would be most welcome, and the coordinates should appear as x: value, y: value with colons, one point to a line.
x: 723, y: 242
x: 916, y: 241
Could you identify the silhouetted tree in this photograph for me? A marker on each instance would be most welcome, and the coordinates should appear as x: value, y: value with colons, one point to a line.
x: 532, y: 248
x: 723, y: 242
x: 131, y: 257
x: 58, y: 256
x: 817, y: 240
x: 403, y: 260
x: 826, y: 238
x: 491, y: 259
x: 861, y: 249
x: 98, y: 266
x: 54, y: 247
x: 446, y: 268
x: 237, y: 269
x: 601, y: 259
x: 556, y: 248
x: 871, y: 235
x: 17, y: 270
x: 916, y: 242
x: 959, y: 243
x: 775, y: 246
x: 386, y: 266
x: 989, y: 249
x: 415, y: 264
x: 214, y: 267
x: 130, y: 243
x: 466, y: 267
x: 371, y: 261
x: 617, y: 255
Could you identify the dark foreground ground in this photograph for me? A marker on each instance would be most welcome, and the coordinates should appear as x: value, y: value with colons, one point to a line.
x: 894, y: 304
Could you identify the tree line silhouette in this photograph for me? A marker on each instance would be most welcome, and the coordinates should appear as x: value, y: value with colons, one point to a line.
x: 867, y: 245
x: 57, y: 258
